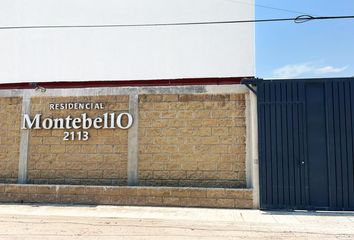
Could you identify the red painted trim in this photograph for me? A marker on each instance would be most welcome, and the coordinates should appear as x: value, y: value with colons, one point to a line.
x: 126, y: 83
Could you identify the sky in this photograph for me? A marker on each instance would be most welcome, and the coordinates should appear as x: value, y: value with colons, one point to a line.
x: 314, y: 49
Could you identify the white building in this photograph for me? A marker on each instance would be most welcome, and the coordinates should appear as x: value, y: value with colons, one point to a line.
x: 124, y: 53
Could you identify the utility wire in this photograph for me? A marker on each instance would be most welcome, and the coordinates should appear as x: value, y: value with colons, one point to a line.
x: 299, y: 19
x: 267, y: 7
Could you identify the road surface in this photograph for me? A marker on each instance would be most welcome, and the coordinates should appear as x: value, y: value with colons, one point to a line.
x: 62, y: 222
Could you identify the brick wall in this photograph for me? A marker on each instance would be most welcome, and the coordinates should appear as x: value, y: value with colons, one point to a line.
x: 191, y: 153
x: 10, y: 117
x: 100, y: 160
x: 192, y: 140
x: 139, y: 196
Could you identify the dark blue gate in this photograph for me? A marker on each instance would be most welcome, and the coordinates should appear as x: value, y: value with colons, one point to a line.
x: 306, y: 138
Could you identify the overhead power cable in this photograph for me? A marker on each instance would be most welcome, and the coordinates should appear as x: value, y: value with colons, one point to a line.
x: 299, y: 19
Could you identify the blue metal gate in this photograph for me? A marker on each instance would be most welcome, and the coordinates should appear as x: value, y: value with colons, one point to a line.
x: 306, y: 137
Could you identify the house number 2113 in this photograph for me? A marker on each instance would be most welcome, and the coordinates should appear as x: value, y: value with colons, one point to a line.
x: 80, y: 136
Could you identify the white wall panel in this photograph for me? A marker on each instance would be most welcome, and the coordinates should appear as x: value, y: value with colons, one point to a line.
x: 130, y: 53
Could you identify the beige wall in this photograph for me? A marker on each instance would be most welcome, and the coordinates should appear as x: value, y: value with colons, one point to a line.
x: 184, y: 140
x: 100, y: 160
x: 192, y: 140
x: 123, y: 195
x: 10, y: 112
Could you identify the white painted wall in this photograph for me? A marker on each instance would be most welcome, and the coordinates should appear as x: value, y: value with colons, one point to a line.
x: 134, y: 53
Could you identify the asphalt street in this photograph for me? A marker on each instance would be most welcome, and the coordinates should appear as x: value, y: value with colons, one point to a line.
x: 115, y: 222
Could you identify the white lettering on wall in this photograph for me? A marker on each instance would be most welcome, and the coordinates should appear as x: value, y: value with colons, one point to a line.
x: 108, y: 120
x: 120, y: 119
x: 27, y: 121
x: 76, y: 106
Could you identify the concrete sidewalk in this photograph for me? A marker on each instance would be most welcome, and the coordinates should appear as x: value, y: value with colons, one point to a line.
x: 114, y: 222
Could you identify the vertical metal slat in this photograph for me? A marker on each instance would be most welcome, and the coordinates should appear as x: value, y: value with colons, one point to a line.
x: 268, y: 156
x: 331, y: 144
x: 302, y: 143
x: 343, y: 133
x: 337, y: 137
x: 296, y: 147
x: 284, y: 143
x: 279, y: 159
x: 350, y: 143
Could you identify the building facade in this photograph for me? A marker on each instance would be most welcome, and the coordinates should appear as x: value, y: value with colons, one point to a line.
x: 98, y: 108
x: 155, y: 145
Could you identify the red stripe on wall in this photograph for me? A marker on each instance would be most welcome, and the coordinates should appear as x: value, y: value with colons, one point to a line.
x: 125, y: 83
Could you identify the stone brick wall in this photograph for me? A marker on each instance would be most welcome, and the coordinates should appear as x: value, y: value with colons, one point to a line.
x: 138, y: 196
x: 101, y: 160
x: 10, y: 117
x: 192, y: 140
